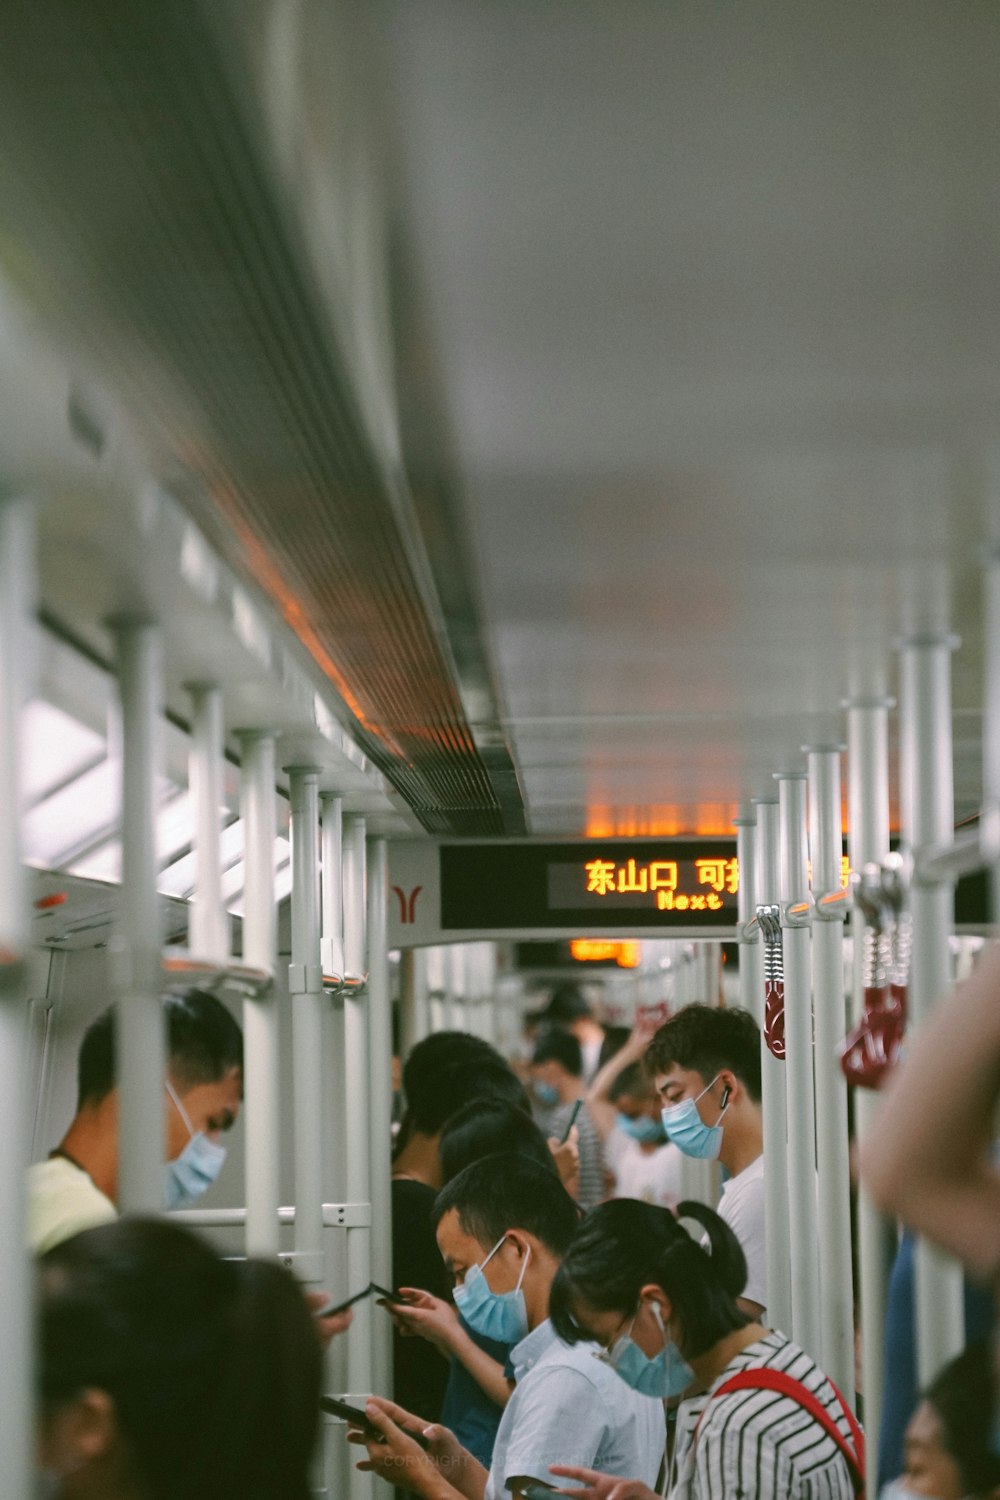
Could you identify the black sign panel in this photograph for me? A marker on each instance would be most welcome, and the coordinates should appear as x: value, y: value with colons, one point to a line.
x: 657, y: 885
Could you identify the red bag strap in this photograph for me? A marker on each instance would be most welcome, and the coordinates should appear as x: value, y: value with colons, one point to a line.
x: 787, y: 1385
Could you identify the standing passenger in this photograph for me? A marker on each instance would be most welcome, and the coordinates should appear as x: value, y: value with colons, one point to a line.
x: 663, y: 1304
x: 441, y: 1074
x: 167, y: 1373
x: 567, y: 1010
x: 503, y: 1225
x: 624, y: 1107
x: 705, y: 1063
x: 77, y: 1187
x: 557, y: 1069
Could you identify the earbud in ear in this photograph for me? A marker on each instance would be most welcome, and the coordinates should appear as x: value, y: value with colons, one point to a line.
x: 725, y: 1096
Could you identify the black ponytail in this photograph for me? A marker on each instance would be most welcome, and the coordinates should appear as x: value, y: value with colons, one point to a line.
x: 623, y: 1245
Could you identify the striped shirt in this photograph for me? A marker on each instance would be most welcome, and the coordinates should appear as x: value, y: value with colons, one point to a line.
x: 592, y: 1186
x: 759, y: 1444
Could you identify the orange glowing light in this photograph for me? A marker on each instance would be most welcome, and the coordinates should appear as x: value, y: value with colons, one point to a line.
x: 592, y: 950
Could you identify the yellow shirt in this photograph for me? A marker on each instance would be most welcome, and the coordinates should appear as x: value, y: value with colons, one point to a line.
x: 62, y: 1200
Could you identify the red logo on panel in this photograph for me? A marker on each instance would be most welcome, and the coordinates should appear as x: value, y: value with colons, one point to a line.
x: 408, y: 904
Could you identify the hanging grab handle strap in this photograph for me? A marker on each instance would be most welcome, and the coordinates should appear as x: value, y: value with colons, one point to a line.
x: 787, y: 1385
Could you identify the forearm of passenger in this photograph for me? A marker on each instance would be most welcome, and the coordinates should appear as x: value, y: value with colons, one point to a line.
x: 485, y: 1371
x: 927, y: 1157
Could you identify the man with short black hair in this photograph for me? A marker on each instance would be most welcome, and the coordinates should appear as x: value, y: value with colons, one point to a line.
x: 503, y: 1225
x: 705, y: 1063
x: 77, y: 1187
x: 557, y: 1074
x: 442, y: 1074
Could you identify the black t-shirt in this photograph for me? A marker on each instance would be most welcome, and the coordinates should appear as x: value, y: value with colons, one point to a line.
x: 421, y: 1371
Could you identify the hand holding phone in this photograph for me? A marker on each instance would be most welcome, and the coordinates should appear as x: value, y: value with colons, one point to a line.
x: 355, y: 1417
x: 572, y: 1121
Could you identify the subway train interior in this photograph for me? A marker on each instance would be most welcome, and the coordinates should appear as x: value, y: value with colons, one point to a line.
x: 495, y: 494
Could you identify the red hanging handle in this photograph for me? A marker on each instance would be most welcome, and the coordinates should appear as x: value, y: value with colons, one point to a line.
x: 872, y: 1049
x: 774, y: 1017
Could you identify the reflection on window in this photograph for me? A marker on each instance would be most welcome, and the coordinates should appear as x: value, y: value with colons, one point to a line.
x: 54, y: 748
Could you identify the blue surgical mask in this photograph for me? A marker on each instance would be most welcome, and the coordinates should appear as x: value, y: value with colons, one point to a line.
x: 547, y: 1094
x: 665, y: 1374
x: 644, y: 1130
x: 897, y: 1489
x: 197, y: 1167
x: 496, y: 1315
x: 686, y: 1128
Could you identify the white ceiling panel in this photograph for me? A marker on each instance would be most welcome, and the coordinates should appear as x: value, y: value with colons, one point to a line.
x: 716, y: 301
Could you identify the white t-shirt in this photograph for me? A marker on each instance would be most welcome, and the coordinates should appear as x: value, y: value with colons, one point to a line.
x: 742, y: 1207
x: 62, y: 1200
x: 651, y: 1176
x: 760, y: 1444
x: 570, y: 1408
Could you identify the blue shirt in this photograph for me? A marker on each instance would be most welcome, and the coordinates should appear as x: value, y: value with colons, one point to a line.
x: 466, y: 1408
x: 899, y: 1386
x: 570, y: 1408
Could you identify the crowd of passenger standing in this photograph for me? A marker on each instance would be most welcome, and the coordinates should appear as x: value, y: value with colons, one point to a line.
x: 565, y: 1318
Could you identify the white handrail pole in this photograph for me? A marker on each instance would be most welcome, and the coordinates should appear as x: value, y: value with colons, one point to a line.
x: 868, y: 843
x: 832, y: 1143
x: 305, y: 984
x: 209, y: 919
x: 360, y: 1336
x: 928, y: 814
x: 779, y: 1285
x: 17, y: 572
x: 380, y: 1097
x: 750, y: 948
x: 141, y: 1043
x: 799, y: 1081
x: 261, y: 1041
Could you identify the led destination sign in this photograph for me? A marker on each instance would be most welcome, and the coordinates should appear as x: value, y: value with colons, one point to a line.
x: 655, y: 884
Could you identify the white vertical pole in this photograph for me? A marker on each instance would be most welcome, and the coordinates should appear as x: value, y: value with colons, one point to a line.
x: 356, y: 1099
x: 751, y: 948
x: 832, y: 1153
x: 779, y: 1286
x: 139, y: 1023
x: 380, y: 1098
x: 332, y: 947
x: 209, y: 920
x: 926, y: 779
x: 261, y: 1044
x: 799, y: 1085
x: 415, y: 1007
x: 305, y: 984
x: 868, y: 843
x: 339, y: 1457
x: 16, y: 606
x: 991, y: 706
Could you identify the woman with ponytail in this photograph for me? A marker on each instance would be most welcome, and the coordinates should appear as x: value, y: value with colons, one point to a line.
x: 759, y: 1419
x: 167, y: 1373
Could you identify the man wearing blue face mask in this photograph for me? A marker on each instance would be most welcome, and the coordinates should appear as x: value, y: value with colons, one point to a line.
x: 626, y: 1112
x: 705, y: 1063
x: 503, y: 1225
x: 77, y: 1187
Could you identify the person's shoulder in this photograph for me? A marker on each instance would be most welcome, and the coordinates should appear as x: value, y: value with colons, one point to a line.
x: 61, y: 1201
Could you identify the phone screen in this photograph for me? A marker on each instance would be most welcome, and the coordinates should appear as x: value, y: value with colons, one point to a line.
x: 353, y: 1415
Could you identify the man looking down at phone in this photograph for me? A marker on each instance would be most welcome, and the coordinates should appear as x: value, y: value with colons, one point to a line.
x: 503, y: 1225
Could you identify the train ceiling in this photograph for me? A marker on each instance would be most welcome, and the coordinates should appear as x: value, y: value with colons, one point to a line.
x: 597, y: 391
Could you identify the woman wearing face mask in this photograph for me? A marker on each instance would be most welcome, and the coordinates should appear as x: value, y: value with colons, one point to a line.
x: 767, y: 1424
x: 948, y: 1440
x: 166, y: 1373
